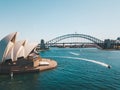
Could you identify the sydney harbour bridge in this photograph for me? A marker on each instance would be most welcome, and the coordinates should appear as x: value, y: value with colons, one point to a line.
x: 70, y: 41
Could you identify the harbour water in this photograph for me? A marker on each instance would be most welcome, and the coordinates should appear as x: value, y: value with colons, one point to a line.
x: 76, y: 70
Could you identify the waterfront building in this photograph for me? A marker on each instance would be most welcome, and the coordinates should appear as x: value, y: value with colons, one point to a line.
x: 17, y: 55
x: 111, y: 44
x: 21, y: 56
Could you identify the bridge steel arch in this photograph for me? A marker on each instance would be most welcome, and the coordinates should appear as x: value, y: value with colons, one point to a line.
x: 88, y: 37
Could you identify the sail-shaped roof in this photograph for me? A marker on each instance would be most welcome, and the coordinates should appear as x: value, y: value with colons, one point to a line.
x: 10, y: 49
x: 9, y: 55
x: 6, y: 45
x: 18, y: 50
x: 29, y: 48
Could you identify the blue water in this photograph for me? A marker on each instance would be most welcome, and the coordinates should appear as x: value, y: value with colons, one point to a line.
x: 71, y: 73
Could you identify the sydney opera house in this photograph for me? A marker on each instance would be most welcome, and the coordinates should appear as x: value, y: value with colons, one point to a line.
x: 19, y: 56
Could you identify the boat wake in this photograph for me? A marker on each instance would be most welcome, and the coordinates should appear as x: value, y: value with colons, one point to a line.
x: 84, y: 59
x: 76, y: 54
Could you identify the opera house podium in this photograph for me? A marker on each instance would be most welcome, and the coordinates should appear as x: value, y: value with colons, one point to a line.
x: 20, y: 56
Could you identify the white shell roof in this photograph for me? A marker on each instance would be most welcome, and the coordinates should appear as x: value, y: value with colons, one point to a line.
x: 29, y: 47
x: 9, y: 55
x: 18, y: 50
x: 6, y: 44
x: 10, y: 49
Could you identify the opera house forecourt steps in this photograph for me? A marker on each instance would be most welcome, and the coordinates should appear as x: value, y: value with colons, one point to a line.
x: 21, y: 57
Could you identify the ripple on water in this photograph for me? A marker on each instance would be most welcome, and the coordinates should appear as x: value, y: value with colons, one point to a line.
x: 71, y: 74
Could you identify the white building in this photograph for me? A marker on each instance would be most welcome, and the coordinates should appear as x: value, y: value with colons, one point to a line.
x: 12, y: 50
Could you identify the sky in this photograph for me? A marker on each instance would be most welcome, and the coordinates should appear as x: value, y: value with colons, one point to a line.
x: 47, y: 19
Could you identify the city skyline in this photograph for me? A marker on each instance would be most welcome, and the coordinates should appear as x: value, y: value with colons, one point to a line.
x: 47, y: 19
